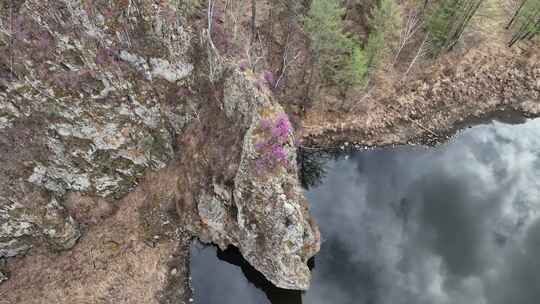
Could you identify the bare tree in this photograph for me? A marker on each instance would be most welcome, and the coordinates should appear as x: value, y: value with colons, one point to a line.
x: 447, y: 22
x: 253, y: 20
x: 286, y: 61
x: 213, y: 53
x: 461, y: 26
x: 290, y: 7
x: 421, y: 52
x: 516, y: 14
x: 526, y: 22
x: 412, y: 25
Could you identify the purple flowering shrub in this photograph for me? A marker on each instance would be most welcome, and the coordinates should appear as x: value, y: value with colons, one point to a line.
x: 271, y: 148
x: 243, y: 65
x: 269, y: 78
x: 265, y: 79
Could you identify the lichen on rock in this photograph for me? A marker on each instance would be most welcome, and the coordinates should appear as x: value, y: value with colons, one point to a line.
x: 76, y: 115
x: 20, y: 223
x: 264, y: 214
x: 102, y: 93
x: 277, y: 234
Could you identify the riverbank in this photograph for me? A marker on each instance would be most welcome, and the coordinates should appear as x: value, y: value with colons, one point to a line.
x: 463, y: 90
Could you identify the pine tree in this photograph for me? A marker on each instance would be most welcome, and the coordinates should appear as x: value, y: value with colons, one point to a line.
x: 339, y: 58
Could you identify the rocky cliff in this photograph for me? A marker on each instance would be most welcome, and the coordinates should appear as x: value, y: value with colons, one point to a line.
x: 94, y: 97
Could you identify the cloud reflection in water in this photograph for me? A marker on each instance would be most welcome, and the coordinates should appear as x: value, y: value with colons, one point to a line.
x: 457, y: 224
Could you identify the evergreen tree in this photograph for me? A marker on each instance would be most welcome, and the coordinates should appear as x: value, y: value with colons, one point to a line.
x: 447, y: 20
x: 340, y: 58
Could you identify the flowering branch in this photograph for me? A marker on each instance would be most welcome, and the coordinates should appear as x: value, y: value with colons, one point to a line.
x: 271, y: 150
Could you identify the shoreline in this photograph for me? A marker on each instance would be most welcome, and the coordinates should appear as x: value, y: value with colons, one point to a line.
x: 332, y: 141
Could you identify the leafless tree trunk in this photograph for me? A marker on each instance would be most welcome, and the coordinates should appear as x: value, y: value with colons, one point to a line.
x: 407, y: 32
x: 426, y: 2
x: 470, y: 11
x: 210, y: 17
x: 286, y: 55
x: 515, y: 14
x: 528, y: 29
x: 533, y: 33
x: 213, y: 53
x: 253, y: 20
x: 418, y: 55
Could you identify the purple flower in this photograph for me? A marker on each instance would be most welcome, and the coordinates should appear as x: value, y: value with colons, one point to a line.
x: 269, y: 77
x: 260, y: 164
x: 281, y: 128
x: 243, y: 66
x: 271, y: 150
x: 278, y: 153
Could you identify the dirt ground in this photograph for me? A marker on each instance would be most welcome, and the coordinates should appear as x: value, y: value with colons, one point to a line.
x: 139, y: 254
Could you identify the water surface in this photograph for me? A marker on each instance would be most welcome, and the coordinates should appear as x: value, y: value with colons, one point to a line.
x: 455, y: 224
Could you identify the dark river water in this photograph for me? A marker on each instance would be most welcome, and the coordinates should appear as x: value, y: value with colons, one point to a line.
x: 455, y: 224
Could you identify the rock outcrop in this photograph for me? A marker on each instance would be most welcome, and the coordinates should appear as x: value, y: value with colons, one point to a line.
x: 78, y: 115
x: 95, y: 95
x: 254, y: 206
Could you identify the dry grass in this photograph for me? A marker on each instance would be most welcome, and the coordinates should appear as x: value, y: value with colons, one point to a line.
x: 114, y: 262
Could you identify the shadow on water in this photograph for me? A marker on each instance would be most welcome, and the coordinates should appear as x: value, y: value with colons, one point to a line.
x: 455, y: 224
x: 276, y: 295
x: 311, y: 167
x: 239, y: 285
